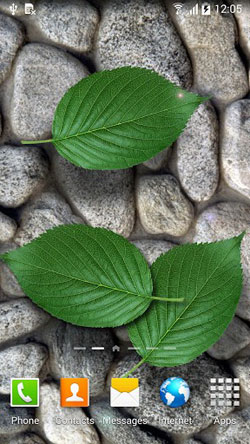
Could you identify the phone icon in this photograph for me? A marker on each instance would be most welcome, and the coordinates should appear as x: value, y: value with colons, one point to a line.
x: 24, y: 392
x: 20, y: 388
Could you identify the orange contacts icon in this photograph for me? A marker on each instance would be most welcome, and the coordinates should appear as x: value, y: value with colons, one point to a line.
x: 74, y: 392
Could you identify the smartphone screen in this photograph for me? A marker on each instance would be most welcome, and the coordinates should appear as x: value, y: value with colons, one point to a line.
x: 65, y: 379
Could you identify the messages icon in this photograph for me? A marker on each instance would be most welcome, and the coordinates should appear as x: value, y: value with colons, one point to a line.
x: 124, y: 392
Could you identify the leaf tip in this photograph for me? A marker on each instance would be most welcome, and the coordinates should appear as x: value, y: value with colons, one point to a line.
x: 203, y: 99
x: 240, y: 237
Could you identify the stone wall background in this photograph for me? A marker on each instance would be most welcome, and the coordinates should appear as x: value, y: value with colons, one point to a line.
x: 197, y: 190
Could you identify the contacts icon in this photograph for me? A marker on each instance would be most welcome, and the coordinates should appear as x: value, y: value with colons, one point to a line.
x: 74, y: 392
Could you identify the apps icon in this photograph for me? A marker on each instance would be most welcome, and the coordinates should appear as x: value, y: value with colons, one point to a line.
x: 225, y: 392
x: 24, y: 392
x: 124, y: 392
x: 74, y: 392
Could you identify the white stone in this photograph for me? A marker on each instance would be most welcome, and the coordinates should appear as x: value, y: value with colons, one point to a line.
x: 50, y: 411
x: 161, y: 205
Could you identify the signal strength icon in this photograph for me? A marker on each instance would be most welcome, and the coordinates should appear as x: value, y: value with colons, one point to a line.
x: 178, y: 7
x: 194, y: 10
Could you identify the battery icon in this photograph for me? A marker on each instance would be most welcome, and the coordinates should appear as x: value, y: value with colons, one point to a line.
x: 206, y: 9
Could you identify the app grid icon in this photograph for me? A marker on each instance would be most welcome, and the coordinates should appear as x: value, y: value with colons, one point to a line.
x: 225, y: 392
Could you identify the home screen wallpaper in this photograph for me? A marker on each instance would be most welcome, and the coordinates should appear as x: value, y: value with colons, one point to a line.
x: 124, y: 222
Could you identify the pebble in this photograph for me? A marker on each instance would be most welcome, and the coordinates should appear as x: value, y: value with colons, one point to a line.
x: 70, y: 25
x: 50, y: 411
x: 139, y: 33
x: 6, y: 426
x: 235, y: 338
x: 23, y: 171
x: 42, y: 75
x: 102, y: 198
x: 241, y: 370
x: 211, y: 41
x: 44, y: 212
x: 237, y: 432
x: 197, y: 154
x: 152, y: 249
x: 7, y: 228
x: 243, y: 309
x: 27, y: 438
x: 18, y: 318
x: 161, y: 205
x: 235, y: 148
x: 11, y: 37
x: 8, y: 281
x: 222, y: 221
x: 243, y: 22
x: 65, y: 362
x: 197, y: 374
x: 22, y: 361
x: 122, y: 433
x: 158, y: 161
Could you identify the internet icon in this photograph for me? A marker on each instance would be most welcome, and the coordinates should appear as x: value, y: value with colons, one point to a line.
x: 174, y: 392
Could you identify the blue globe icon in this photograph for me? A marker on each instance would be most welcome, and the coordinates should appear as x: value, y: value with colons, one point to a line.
x: 174, y: 392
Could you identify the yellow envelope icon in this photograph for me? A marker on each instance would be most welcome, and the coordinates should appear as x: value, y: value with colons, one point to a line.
x: 124, y: 392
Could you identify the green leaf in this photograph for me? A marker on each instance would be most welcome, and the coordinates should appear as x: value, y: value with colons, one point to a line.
x: 86, y: 276
x: 209, y: 277
x: 119, y: 118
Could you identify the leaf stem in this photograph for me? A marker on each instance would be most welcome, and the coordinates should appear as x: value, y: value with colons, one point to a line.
x: 35, y: 142
x: 134, y: 368
x: 158, y: 298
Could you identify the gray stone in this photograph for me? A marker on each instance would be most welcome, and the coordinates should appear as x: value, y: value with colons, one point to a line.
x: 211, y: 40
x: 7, y: 228
x: 140, y: 33
x: 235, y: 338
x: 8, y: 281
x: 27, y: 438
x: 65, y: 362
x: 152, y: 249
x: 158, y: 161
x: 235, y: 149
x: 44, y: 212
x: 7, y: 412
x: 241, y: 369
x: 243, y: 309
x: 50, y: 412
x: 197, y: 154
x: 117, y: 431
x: 42, y: 75
x: 243, y: 22
x: 11, y: 36
x: 197, y: 374
x: 18, y: 318
x: 3, y: 297
x: 222, y: 221
x: 23, y: 171
x: 161, y: 205
x: 191, y: 441
x: 68, y: 24
x: 21, y: 361
x: 122, y: 333
x: 235, y: 429
x: 102, y: 198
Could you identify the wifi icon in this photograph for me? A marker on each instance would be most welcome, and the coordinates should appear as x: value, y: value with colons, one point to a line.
x: 178, y: 7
